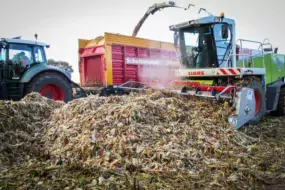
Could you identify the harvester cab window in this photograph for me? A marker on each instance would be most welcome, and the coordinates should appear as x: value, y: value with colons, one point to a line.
x: 197, y: 47
x: 20, y: 57
x: 223, y: 45
x: 191, y: 48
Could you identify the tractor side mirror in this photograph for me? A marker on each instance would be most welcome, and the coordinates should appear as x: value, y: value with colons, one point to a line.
x: 225, y: 31
x: 176, y: 38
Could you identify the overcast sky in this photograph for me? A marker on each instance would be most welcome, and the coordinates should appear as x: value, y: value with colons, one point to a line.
x: 61, y: 22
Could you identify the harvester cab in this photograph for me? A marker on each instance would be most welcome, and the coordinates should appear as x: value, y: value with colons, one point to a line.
x: 208, y: 52
x: 206, y: 42
x: 24, y: 69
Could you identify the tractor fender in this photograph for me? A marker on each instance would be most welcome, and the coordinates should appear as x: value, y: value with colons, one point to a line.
x: 41, y: 68
x: 272, y: 94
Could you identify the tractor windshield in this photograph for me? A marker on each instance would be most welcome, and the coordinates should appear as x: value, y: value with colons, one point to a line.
x: 197, y: 47
x: 20, y: 57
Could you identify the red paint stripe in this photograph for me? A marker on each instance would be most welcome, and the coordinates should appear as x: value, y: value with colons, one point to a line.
x: 223, y: 71
x: 217, y: 88
x: 232, y: 71
x: 239, y: 70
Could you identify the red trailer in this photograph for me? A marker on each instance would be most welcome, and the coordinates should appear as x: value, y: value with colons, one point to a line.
x: 114, y: 59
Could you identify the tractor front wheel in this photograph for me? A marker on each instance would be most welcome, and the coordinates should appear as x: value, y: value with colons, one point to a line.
x: 51, y: 85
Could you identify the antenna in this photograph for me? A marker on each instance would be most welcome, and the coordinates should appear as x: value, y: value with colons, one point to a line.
x: 190, y: 5
x: 36, y: 37
x: 266, y: 40
x: 203, y: 9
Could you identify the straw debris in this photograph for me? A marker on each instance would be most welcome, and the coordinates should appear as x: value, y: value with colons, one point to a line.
x: 151, y: 140
x: 20, y: 127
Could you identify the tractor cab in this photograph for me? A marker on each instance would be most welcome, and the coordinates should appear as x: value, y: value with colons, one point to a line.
x: 24, y: 69
x: 17, y: 56
x: 206, y: 42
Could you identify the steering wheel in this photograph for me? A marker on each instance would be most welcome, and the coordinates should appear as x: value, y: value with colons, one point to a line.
x: 195, y: 51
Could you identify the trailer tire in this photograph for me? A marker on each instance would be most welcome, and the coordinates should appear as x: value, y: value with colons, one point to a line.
x: 103, y: 92
x: 51, y: 85
x: 260, y: 107
x: 280, y: 111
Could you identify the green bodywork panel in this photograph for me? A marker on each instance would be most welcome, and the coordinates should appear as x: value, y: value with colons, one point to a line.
x: 204, y: 82
x: 30, y: 71
x: 273, y: 63
x: 36, y: 69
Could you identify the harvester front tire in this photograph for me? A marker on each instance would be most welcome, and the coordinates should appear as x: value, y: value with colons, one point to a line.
x: 48, y: 79
x: 258, y: 91
x: 280, y: 111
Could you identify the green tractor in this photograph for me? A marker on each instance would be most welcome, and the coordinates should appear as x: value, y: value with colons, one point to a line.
x: 217, y: 67
x: 24, y: 69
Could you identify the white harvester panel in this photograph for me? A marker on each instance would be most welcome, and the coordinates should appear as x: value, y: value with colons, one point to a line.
x: 245, y: 107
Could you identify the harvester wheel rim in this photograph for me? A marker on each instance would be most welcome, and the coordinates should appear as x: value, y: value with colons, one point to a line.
x: 260, y: 106
x: 52, y: 91
x: 257, y: 101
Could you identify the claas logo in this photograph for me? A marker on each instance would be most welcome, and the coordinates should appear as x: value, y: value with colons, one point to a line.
x: 196, y: 73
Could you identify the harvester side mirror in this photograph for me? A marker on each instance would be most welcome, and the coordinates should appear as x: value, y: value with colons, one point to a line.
x: 176, y: 38
x: 225, y: 31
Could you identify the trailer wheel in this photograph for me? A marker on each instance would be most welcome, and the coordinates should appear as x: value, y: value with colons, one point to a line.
x: 103, y: 92
x: 51, y: 85
x: 260, y: 107
x: 280, y: 111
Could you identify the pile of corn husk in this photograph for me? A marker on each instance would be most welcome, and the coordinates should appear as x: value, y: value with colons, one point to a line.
x: 155, y: 132
x: 20, y: 127
x: 154, y: 140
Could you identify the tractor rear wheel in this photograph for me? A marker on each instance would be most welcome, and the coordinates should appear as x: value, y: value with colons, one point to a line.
x: 51, y: 85
x: 280, y: 111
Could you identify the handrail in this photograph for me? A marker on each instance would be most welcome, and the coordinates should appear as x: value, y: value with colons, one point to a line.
x: 249, y: 57
x: 267, y: 44
x: 257, y: 42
